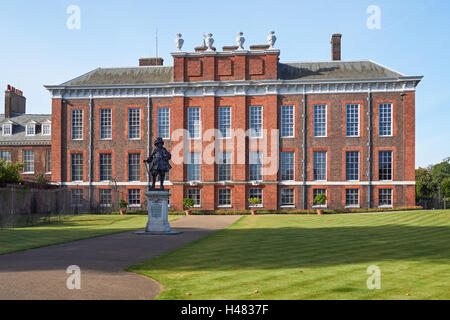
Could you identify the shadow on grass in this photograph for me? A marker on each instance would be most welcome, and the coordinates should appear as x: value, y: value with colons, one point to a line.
x: 246, y: 249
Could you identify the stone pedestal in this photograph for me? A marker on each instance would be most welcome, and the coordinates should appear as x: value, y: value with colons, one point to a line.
x: 158, y: 214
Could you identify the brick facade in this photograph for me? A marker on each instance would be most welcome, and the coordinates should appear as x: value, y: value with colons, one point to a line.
x: 258, y: 67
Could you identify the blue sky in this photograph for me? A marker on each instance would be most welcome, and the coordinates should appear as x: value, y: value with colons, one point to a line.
x: 37, y: 47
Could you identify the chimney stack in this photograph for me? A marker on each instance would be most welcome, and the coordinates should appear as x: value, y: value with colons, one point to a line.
x: 15, y: 102
x: 336, y: 47
x: 147, y: 62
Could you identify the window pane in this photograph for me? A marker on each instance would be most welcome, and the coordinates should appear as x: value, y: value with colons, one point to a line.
x: 320, y: 166
x: 317, y: 192
x: 105, y: 166
x: 320, y: 120
x: 105, y: 197
x: 256, y: 121
x: 194, y: 194
x: 352, y: 120
x: 134, y: 167
x: 134, y: 197
x: 352, y: 165
x: 225, y: 122
x: 48, y: 161
x: 194, y: 166
x: 287, y: 197
x: 385, y: 197
x: 134, y: 123
x: 385, y: 165
x: 7, y: 131
x: 194, y: 123
x: 255, y: 166
x: 224, y: 198
x: 28, y: 159
x: 385, y: 119
x: 77, y: 167
x: 105, y: 124
x: 5, y: 155
x: 76, y: 196
x: 256, y: 193
x: 287, y: 166
x: 164, y: 123
x: 224, y: 166
x: 352, y: 197
x: 287, y: 121
x: 46, y: 129
x: 31, y: 130
x: 77, y: 124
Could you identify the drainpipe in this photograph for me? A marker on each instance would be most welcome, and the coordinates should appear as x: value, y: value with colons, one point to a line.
x: 91, y: 149
x: 369, y: 144
x: 304, y: 150
x: 149, y: 133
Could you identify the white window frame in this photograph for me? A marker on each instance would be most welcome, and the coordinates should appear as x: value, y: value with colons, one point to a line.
x: 353, y: 206
x: 2, y: 155
x: 326, y: 121
x: 392, y: 198
x: 195, y: 159
x: 30, y: 129
x: 46, y: 132
x: 231, y: 198
x: 192, y: 124
x: 228, y: 124
x: 28, y: 161
x: 134, y: 205
x: 326, y: 165
x: 77, y: 125
x: 74, y: 204
x: 102, y: 204
x: 284, y: 124
x: 282, y: 164
x: 130, y: 110
x: 160, y: 119
x: 227, y: 156
x: 189, y: 196
x: 256, y: 156
x: 138, y: 165
x: 72, y: 167
x: 105, y: 126
x: 359, y: 165
x: 252, y: 133
x: 281, y: 197
x: 346, y: 120
x: 9, y: 126
x: 392, y: 120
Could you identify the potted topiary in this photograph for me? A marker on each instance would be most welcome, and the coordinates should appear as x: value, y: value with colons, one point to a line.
x: 254, y: 202
x: 188, y: 204
x: 320, y: 200
x: 123, y: 205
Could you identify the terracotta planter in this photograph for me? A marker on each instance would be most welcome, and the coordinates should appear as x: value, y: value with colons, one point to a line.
x: 188, y: 212
x: 254, y: 212
x: 320, y: 212
x: 123, y: 212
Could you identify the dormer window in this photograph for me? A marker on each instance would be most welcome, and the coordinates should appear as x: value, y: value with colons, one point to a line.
x: 31, y: 129
x: 7, y: 129
x: 46, y: 129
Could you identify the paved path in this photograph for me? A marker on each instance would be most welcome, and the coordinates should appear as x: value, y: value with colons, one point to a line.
x: 41, y: 273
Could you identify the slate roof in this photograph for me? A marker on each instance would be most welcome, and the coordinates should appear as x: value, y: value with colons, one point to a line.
x: 18, y: 136
x: 330, y: 70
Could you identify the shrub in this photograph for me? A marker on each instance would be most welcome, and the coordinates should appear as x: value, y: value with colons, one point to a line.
x: 188, y: 203
x: 123, y: 204
x: 10, y: 172
x: 254, y: 201
x: 320, y: 199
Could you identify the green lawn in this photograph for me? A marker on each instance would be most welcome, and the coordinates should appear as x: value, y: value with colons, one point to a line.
x: 68, y: 229
x: 312, y: 257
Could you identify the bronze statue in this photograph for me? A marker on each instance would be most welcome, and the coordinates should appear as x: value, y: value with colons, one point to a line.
x: 159, y: 163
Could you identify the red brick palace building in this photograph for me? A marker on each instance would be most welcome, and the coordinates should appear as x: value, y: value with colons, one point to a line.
x: 343, y: 128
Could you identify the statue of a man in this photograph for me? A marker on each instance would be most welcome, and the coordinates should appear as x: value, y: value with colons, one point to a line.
x: 159, y: 163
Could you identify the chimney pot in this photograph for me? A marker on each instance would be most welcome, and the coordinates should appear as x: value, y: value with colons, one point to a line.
x: 336, y: 47
x: 146, y: 62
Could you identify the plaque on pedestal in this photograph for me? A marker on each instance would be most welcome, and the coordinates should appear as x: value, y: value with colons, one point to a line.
x: 158, y: 214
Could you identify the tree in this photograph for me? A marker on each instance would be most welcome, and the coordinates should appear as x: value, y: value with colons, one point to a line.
x: 445, y: 188
x: 425, y: 187
x: 440, y: 171
x: 10, y: 172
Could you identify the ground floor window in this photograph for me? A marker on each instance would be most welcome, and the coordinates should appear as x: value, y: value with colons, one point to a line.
x: 385, y: 197
x: 105, y: 197
x: 317, y: 192
x: 5, y: 155
x: 352, y: 198
x: 134, y: 197
x: 28, y: 159
x: 76, y: 197
x: 287, y: 197
x: 194, y: 194
x: 224, y: 198
x: 258, y: 194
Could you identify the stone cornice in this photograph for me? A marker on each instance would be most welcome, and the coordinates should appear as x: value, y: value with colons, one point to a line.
x: 236, y: 88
